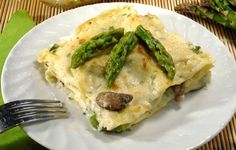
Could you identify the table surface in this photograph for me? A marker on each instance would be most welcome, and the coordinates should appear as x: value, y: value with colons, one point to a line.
x: 226, y: 139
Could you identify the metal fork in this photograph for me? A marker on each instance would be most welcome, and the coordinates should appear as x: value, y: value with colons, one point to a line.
x: 30, y: 111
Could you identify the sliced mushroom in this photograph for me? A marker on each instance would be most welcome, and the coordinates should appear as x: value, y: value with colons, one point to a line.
x: 113, y: 101
x: 179, y: 91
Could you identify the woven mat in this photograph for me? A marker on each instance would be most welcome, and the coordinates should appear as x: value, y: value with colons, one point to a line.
x: 226, y: 139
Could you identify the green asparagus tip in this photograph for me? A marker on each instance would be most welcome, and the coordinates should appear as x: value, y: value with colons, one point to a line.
x: 97, y: 45
x: 118, y: 55
x: 163, y: 58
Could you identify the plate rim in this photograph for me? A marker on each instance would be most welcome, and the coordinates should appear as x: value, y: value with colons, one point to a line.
x: 197, y: 145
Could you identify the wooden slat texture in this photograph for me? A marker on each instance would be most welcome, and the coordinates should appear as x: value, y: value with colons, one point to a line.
x: 225, y: 140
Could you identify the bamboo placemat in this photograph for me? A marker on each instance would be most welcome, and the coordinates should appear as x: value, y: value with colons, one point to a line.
x: 226, y: 139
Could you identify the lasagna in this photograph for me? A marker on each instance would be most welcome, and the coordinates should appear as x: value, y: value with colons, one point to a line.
x: 141, y: 86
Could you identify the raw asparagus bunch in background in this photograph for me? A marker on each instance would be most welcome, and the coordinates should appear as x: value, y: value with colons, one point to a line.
x: 232, y: 2
x: 220, y: 11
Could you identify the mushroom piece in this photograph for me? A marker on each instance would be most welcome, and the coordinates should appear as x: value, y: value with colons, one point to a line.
x: 113, y: 101
x: 179, y: 91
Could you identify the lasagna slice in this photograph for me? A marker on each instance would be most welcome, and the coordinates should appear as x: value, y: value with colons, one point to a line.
x: 141, y: 76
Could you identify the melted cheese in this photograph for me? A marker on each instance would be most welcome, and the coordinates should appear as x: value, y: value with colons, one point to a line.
x: 140, y: 76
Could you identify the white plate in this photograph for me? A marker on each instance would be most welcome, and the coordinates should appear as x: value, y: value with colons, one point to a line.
x: 200, y: 117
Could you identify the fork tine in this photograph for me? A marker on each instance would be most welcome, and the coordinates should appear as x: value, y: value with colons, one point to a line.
x: 29, y: 111
x: 40, y: 117
x: 37, y: 103
x: 36, y: 109
x: 38, y: 113
x: 29, y: 107
x: 26, y: 102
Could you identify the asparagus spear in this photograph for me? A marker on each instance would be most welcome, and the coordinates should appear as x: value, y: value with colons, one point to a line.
x: 164, y: 59
x: 206, y: 12
x: 219, y: 4
x: 95, y: 46
x: 117, y: 56
x: 232, y: 2
x: 93, y: 121
x: 122, y: 128
x: 223, y: 7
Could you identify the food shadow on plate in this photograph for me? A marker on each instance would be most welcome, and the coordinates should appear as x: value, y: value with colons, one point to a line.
x: 144, y: 130
x: 148, y: 129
